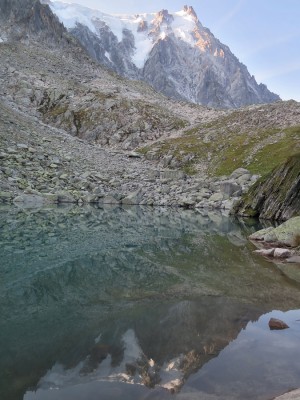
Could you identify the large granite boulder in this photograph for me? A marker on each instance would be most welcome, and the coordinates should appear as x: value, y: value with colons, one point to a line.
x: 286, y: 234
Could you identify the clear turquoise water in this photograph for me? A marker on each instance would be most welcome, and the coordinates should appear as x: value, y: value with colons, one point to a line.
x: 119, y: 303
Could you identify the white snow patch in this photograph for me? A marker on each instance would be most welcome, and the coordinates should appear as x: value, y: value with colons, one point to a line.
x: 3, y: 38
x: 143, y: 44
x: 107, y: 55
x: 59, y: 377
x: 163, y: 35
x: 71, y: 14
x: 132, y: 349
x: 183, y: 26
x: 143, y: 48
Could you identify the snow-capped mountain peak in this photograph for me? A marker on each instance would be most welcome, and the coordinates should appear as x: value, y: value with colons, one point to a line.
x: 146, y: 28
x: 173, y: 52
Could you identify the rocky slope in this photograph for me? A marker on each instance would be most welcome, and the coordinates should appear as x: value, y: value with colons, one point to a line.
x: 41, y: 165
x: 256, y: 137
x: 275, y: 196
x: 68, y: 126
x: 174, y: 53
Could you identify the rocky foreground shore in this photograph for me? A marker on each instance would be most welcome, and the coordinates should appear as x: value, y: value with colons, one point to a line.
x: 281, y: 243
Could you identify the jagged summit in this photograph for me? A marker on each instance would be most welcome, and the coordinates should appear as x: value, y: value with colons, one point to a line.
x: 173, y: 52
x: 163, y: 16
x: 190, y: 11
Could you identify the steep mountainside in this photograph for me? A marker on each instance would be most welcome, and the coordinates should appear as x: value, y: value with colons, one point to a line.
x: 174, y: 53
x: 23, y: 20
x: 275, y: 196
x: 68, y: 126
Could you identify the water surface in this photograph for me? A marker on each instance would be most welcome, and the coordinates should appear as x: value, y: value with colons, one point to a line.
x: 141, y: 303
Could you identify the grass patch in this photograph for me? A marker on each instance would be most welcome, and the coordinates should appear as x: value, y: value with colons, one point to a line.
x: 227, y: 150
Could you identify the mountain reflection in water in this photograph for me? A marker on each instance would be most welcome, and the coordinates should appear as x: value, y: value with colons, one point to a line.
x: 140, y: 303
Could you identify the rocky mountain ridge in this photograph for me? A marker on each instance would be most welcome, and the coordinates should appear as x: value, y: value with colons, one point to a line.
x: 27, y: 20
x: 174, y: 53
x: 68, y: 128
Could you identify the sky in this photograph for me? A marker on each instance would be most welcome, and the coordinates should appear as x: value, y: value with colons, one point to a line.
x: 263, y: 34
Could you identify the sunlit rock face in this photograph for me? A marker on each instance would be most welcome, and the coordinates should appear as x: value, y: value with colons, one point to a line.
x: 175, y: 53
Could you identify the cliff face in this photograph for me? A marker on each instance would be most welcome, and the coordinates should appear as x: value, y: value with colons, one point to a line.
x: 275, y: 196
x: 21, y: 20
x: 106, y: 48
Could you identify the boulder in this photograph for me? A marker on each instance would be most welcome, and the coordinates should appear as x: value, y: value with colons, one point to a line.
x: 261, y: 234
x: 29, y: 200
x: 5, y: 196
x: 186, y: 202
x: 282, y: 253
x: 239, y: 172
x: 230, y: 188
x: 286, y: 234
x: 216, y: 197
x: 109, y: 200
x: 50, y: 197
x: 65, y: 197
x: 132, y: 199
x: 172, y: 174
x: 277, y: 324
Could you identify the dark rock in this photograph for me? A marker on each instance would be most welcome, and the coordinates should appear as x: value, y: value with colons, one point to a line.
x: 275, y: 196
x: 131, y: 369
x: 277, y: 324
x: 99, y: 353
x: 23, y: 18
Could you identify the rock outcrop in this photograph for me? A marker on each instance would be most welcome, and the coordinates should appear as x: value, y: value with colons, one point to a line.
x: 280, y: 245
x: 275, y: 196
x: 286, y: 234
x: 21, y: 20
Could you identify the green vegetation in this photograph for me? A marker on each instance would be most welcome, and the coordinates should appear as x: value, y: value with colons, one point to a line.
x: 276, y: 153
x: 222, y: 149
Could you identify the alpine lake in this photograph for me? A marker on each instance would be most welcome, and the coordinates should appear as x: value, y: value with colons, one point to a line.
x: 142, y: 303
